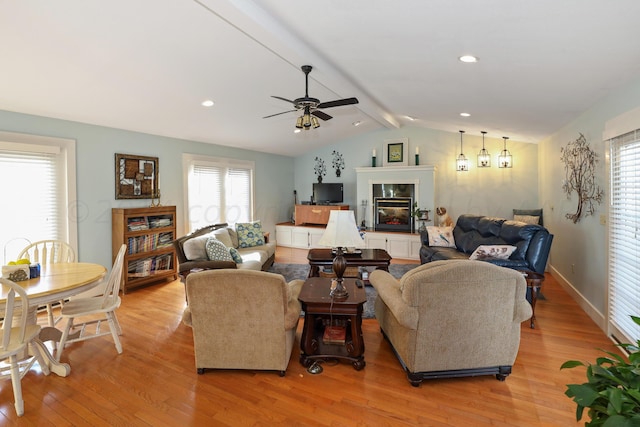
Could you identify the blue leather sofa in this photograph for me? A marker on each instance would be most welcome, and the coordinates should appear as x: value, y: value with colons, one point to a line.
x: 532, y: 242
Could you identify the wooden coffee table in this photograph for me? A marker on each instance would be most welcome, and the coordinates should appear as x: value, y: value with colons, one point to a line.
x: 378, y: 258
x: 320, y: 311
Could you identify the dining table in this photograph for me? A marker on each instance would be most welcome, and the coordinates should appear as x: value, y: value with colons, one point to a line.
x: 57, y: 282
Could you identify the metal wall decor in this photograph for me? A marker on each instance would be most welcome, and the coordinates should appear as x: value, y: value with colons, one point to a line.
x: 136, y: 177
x: 338, y: 162
x: 579, y: 167
x: 320, y: 169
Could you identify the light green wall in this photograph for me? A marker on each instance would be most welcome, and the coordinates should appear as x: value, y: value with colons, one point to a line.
x: 579, y: 251
x: 490, y: 191
x: 95, y: 151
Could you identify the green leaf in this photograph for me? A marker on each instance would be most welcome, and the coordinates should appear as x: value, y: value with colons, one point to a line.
x: 583, y: 395
x: 615, y: 399
x: 571, y: 364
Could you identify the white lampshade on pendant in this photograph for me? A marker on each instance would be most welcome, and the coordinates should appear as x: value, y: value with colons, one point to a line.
x: 341, y: 232
x: 462, y: 164
x: 505, y: 160
x: 484, y: 158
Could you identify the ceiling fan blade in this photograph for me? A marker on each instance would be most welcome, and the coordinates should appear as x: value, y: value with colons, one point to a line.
x: 277, y: 114
x: 321, y: 115
x: 338, y: 103
x: 282, y: 99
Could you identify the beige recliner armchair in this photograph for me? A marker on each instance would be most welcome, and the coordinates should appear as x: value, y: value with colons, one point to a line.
x: 452, y: 318
x: 242, y: 319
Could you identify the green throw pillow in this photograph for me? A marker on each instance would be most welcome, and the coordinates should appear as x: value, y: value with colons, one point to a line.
x: 235, y: 255
x: 217, y: 251
x: 250, y: 234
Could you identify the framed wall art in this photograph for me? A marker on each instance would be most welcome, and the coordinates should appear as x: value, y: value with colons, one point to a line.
x: 395, y: 152
x: 136, y: 176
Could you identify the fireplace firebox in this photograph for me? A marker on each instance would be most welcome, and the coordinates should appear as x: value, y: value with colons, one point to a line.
x: 393, y: 214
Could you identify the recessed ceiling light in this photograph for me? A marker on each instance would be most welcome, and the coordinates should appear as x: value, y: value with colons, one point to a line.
x: 358, y: 123
x: 468, y: 58
x: 207, y: 103
x: 296, y: 130
x: 465, y: 114
x: 410, y: 118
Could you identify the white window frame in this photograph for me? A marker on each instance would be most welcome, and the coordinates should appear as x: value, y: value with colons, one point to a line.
x: 67, y: 195
x: 190, y: 159
x: 619, y: 325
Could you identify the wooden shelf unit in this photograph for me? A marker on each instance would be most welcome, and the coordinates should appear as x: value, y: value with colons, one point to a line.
x: 148, y: 234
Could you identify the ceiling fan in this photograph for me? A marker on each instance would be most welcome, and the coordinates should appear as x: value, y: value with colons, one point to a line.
x: 311, y: 106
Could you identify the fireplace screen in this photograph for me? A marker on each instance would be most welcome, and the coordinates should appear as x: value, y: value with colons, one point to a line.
x: 393, y: 214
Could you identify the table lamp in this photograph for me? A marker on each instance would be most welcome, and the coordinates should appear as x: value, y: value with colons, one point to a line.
x: 341, y: 232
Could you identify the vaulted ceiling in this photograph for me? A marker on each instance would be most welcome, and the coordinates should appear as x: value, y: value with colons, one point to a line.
x: 147, y: 65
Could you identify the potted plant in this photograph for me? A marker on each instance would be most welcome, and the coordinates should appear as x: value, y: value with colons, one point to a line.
x: 612, y: 390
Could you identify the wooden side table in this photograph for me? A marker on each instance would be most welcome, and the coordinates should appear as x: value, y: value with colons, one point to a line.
x: 320, y: 311
x: 534, y: 283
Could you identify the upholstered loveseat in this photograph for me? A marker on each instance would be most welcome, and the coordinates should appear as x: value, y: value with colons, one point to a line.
x: 532, y: 242
x: 192, y: 254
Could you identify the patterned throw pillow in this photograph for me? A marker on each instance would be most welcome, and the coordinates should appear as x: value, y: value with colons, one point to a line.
x: 249, y: 234
x: 492, y: 251
x: 441, y: 236
x: 527, y: 219
x: 217, y: 251
x: 235, y: 255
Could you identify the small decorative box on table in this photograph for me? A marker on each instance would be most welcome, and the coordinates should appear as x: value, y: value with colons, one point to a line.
x: 332, y: 328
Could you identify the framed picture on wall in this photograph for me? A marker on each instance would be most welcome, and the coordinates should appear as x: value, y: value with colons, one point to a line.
x: 395, y: 152
x: 136, y: 176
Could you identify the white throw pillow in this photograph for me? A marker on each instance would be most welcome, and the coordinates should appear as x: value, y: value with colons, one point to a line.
x: 492, y: 251
x: 222, y: 234
x: 194, y: 249
x: 441, y: 236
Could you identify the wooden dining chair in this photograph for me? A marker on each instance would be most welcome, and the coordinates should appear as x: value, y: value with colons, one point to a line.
x: 49, y: 252
x: 16, y: 336
x: 92, y: 307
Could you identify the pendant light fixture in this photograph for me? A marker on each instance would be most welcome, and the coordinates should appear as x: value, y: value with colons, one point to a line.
x: 462, y: 164
x: 505, y: 160
x: 484, y: 158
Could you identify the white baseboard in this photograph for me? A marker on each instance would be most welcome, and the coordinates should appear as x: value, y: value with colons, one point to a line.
x: 588, y: 308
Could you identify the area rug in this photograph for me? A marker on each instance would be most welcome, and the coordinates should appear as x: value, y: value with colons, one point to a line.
x: 301, y: 271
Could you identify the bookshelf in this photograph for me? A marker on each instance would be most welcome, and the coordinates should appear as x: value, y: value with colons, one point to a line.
x: 148, y: 234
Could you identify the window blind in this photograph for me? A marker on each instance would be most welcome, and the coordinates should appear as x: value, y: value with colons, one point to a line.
x: 624, y: 236
x: 31, y: 185
x: 219, y: 191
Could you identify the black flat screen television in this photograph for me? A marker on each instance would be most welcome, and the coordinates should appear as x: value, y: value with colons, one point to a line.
x: 327, y: 192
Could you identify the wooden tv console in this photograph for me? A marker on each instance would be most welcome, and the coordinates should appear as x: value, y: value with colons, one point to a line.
x: 316, y: 214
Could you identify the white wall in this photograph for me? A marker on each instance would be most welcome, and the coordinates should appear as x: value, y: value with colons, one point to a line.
x: 489, y: 191
x: 579, y: 251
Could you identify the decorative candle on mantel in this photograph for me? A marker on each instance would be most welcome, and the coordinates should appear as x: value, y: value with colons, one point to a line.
x: 417, y: 156
x: 373, y: 158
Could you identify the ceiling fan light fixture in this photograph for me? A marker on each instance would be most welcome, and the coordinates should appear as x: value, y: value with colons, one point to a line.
x: 315, y: 123
x: 299, y: 123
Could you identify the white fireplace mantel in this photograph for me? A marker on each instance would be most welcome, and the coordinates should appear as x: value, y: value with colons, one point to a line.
x: 423, y: 178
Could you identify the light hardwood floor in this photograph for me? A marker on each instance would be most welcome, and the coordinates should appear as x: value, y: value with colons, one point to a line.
x: 154, y: 381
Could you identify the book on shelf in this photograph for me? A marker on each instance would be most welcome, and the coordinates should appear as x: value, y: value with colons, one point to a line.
x: 334, y: 335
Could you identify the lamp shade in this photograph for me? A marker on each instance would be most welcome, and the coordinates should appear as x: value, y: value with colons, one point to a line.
x: 341, y: 231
